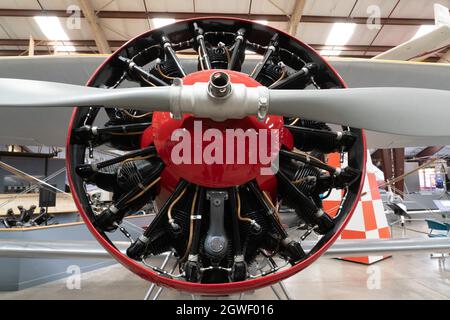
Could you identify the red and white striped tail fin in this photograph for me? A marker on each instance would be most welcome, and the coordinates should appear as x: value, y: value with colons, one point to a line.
x: 369, y: 220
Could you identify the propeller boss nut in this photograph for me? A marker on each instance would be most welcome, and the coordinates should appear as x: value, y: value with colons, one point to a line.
x: 219, y: 85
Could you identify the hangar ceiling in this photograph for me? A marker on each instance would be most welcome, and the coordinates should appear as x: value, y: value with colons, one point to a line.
x: 310, y: 20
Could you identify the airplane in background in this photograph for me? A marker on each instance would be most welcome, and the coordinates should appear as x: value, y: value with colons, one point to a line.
x: 426, y: 43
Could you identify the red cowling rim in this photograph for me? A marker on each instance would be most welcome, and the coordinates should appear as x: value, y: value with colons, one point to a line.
x: 216, y: 289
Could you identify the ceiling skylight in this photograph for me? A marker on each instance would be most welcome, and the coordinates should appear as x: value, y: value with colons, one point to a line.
x: 339, y: 35
x: 52, y: 29
x: 161, y: 22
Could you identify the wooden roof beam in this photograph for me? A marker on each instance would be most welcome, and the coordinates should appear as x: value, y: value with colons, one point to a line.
x: 97, y: 31
x: 295, y: 17
x: 429, y: 151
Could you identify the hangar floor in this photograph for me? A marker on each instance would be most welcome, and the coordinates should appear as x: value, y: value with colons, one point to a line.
x: 414, y: 276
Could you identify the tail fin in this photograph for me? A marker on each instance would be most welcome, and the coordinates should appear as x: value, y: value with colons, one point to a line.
x: 421, y: 47
x: 441, y: 15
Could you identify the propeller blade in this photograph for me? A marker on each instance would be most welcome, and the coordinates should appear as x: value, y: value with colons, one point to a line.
x: 39, y: 94
x: 404, y: 111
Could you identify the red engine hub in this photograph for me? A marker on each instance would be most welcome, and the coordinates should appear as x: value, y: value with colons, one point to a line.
x: 192, y: 151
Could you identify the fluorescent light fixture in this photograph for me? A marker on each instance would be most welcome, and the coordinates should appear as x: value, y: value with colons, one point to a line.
x: 339, y: 35
x: 161, y: 22
x: 330, y: 52
x: 64, y: 48
x: 424, y: 29
x: 52, y: 29
x: 264, y: 22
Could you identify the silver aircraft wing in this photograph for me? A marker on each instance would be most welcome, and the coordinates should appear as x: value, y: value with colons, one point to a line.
x: 48, y: 126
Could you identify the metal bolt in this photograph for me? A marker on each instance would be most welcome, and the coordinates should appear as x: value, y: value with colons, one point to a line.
x: 219, y: 85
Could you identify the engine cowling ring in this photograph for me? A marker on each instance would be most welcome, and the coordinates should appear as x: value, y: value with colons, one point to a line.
x: 104, y: 76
